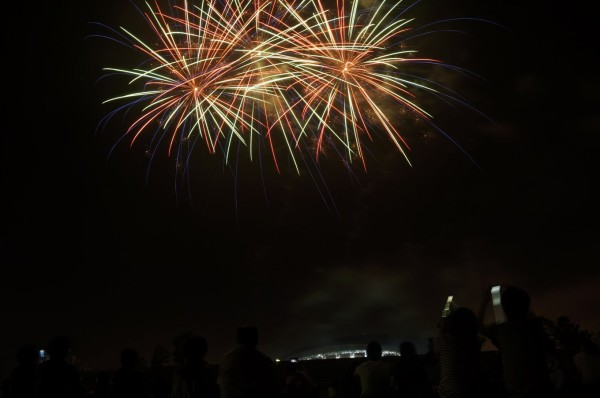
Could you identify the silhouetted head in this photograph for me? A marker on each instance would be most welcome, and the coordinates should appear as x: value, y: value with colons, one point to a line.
x: 515, y: 303
x: 129, y: 358
x: 27, y: 354
x: 293, y: 365
x: 588, y: 345
x: 58, y: 348
x: 195, y: 348
x: 463, y: 324
x: 374, y: 350
x: 408, y: 349
x: 247, y: 336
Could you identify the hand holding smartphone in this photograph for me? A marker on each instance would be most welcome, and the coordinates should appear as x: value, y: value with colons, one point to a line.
x: 496, y: 293
x: 447, y: 307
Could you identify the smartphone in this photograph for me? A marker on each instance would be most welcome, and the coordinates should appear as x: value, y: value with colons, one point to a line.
x: 447, y: 307
x: 497, y: 304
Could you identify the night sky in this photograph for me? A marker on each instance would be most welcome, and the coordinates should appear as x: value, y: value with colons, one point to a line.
x: 100, y: 247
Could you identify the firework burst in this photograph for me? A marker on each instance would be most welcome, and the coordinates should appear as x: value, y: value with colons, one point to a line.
x: 346, y: 69
x: 293, y: 76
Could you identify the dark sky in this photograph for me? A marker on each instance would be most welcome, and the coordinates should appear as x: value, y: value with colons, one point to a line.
x: 113, y: 255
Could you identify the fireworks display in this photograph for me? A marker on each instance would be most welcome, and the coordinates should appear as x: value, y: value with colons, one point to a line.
x: 296, y: 77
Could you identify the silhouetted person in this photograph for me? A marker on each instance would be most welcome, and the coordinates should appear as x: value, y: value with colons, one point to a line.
x: 160, y: 378
x: 522, y: 344
x: 409, y: 374
x: 298, y: 383
x: 350, y: 384
x: 195, y: 378
x: 460, y: 356
x: 129, y: 381
x: 22, y: 381
x: 587, y: 362
x: 102, y: 387
x: 246, y: 372
x: 374, y: 374
x: 431, y: 359
x: 58, y: 378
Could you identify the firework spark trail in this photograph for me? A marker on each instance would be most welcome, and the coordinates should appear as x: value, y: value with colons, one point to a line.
x: 276, y: 72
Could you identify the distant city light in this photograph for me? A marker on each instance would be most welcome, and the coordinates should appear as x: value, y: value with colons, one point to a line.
x: 346, y: 354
